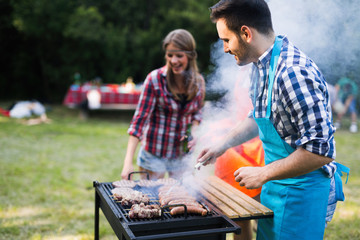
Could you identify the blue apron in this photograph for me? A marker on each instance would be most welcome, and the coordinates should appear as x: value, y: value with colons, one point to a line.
x: 299, y: 203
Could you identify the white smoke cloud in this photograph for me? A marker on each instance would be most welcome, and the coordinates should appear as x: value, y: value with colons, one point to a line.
x: 327, y: 31
x: 220, y: 117
x: 227, y: 77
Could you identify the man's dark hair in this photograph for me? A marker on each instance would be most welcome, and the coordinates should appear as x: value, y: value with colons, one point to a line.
x: 252, y: 13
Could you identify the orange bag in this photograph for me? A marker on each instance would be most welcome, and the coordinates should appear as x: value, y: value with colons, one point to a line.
x: 250, y: 153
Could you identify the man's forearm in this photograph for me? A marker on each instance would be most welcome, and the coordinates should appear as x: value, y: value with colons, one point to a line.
x: 298, y: 163
x: 242, y: 132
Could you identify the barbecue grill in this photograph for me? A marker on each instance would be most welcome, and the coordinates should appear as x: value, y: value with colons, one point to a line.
x: 214, y: 225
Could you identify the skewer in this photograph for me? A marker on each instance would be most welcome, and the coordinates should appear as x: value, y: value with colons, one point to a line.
x: 148, y: 194
x: 126, y: 214
x: 150, y: 201
x: 128, y: 209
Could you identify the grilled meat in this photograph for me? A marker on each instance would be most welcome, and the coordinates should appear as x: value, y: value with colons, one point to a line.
x: 128, y: 196
x: 190, y: 209
x: 124, y: 184
x: 144, y: 211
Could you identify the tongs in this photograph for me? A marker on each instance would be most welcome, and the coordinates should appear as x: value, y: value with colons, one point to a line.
x: 199, y: 164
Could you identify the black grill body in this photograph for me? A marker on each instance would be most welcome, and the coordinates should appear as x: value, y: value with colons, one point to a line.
x: 193, y: 227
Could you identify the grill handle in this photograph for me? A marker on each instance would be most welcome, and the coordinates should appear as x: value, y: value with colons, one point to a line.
x: 175, y: 205
x: 147, y: 174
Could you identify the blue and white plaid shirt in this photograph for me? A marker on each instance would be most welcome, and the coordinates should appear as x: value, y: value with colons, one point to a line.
x: 301, y: 111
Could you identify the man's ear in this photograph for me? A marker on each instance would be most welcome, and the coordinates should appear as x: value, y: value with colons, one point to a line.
x: 246, y: 33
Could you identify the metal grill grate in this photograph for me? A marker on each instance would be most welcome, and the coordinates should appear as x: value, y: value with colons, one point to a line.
x: 213, y: 226
x: 152, y: 192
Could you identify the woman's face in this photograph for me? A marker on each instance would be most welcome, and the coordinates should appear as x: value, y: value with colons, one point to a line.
x: 176, y: 59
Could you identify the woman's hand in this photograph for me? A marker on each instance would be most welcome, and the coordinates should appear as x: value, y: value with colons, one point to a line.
x: 191, y: 144
x: 126, y: 171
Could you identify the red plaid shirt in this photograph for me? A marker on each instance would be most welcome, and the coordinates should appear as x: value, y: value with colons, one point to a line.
x: 159, y: 120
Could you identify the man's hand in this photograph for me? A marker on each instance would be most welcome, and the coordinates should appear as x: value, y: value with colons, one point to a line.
x: 209, y: 155
x: 296, y: 164
x: 250, y: 177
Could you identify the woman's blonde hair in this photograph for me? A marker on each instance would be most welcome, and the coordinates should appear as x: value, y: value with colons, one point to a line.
x: 183, y: 40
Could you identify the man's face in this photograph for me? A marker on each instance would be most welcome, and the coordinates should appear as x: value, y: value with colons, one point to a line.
x: 233, y: 44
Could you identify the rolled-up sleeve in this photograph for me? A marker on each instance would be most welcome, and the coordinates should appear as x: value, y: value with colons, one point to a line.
x: 144, y: 108
x: 305, y: 97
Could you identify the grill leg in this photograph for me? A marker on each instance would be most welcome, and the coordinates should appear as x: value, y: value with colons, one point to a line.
x: 97, y: 206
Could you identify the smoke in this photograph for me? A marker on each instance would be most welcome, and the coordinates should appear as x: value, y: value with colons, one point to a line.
x: 327, y: 31
x: 226, y: 78
x: 219, y: 117
x: 229, y: 78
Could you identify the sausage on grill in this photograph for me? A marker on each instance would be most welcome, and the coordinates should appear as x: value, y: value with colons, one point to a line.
x: 165, y: 201
x: 123, y: 184
x: 168, y: 193
x: 190, y: 209
x: 173, y: 190
x: 185, y: 202
x: 167, y: 181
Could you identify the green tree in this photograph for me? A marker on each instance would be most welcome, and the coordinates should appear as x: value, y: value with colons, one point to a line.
x: 112, y: 39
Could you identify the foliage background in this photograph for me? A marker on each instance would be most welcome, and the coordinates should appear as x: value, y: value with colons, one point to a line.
x: 43, y: 43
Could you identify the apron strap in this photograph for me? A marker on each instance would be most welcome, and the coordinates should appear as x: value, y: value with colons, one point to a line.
x: 339, y: 194
x: 273, y: 64
x: 341, y: 168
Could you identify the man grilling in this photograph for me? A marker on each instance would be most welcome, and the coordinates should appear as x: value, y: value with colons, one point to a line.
x: 291, y: 115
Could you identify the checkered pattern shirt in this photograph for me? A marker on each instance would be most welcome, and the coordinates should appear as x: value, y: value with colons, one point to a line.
x: 159, y: 120
x: 300, y: 111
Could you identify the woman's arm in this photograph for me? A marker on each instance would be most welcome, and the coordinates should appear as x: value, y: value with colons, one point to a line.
x: 130, y: 152
x: 143, y: 112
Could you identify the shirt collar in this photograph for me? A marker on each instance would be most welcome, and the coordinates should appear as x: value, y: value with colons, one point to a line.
x: 266, y: 56
x: 163, y: 71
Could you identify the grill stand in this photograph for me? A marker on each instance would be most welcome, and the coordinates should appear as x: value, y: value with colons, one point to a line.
x: 97, y: 207
x: 109, y: 214
x: 214, y: 228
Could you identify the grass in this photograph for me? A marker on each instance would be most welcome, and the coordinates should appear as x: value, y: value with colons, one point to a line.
x: 47, y: 170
